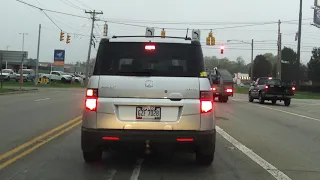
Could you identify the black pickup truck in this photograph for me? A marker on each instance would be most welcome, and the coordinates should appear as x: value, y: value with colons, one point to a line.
x: 270, y: 89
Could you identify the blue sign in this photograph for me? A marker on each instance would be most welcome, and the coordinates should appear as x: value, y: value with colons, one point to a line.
x: 59, y: 55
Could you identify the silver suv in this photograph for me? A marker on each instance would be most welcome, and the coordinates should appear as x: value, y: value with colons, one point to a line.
x: 152, y: 92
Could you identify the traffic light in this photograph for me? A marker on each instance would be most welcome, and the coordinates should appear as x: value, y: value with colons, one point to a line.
x: 68, y: 39
x: 213, y: 41
x: 61, y: 36
x: 221, y: 49
x: 163, y: 33
x: 210, y: 40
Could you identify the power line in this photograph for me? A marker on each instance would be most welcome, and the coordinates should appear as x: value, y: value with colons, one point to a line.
x: 58, y: 12
x: 70, y: 4
x: 52, y: 20
x: 83, y: 4
x: 137, y: 25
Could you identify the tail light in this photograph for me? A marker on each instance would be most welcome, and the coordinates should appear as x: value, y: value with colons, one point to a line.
x: 213, y: 89
x: 91, y: 99
x: 293, y: 88
x: 229, y: 90
x: 206, y: 99
x: 266, y: 88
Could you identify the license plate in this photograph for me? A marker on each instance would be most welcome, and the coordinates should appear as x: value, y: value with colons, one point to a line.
x: 271, y: 85
x: 148, y: 112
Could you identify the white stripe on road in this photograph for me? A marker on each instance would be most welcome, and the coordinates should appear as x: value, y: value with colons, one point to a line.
x: 42, y: 99
x: 299, y: 115
x: 136, y: 170
x: 276, y: 173
x: 295, y: 114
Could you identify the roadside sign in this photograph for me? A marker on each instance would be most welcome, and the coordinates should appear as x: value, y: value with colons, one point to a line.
x: 196, y: 34
x: 59, y: 57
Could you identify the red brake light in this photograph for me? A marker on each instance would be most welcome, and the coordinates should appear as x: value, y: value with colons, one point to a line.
x: 293, y: 88
x: 206, y: 98
x: 266, y: 87
x: 149, y: 47
x: 213, y: 89
x: 91, y: 99
x: 229, y: 90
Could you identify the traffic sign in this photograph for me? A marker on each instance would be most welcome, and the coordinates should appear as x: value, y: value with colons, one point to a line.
x: 196, y: 34
x: 59, y: 56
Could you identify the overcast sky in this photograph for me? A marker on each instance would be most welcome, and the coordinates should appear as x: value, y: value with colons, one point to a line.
x: 18, y: 18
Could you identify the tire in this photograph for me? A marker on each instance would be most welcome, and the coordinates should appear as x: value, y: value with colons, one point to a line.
x: 287, y: 102
x: 261, y: 100
x: 220, y: 98
x: 92, y: 156
x: 63, y: 80
x: 274, y: 101
x: 250, y: 98
x: 225, y: 99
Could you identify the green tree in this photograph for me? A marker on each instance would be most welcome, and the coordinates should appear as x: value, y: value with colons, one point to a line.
x: 261, y: 67
x: 288, y: 65
x: 314, y: 66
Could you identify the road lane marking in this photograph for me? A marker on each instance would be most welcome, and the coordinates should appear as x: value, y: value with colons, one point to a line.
x: 24, y: 153
x: 42, y: 99
x: 19, y: 148
x: 276, y: 173
x: 287, y: 112
x: 136, y: 170
x: 299, y: 115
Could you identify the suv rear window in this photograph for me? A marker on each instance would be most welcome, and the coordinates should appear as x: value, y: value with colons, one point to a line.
x: 131, y: 59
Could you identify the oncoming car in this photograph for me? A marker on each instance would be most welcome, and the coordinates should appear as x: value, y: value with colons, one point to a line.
x: 149, y: 92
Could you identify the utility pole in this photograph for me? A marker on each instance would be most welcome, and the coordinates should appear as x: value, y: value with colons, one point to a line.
x: 279, y: 51
x: 93, y: 17
x: 23, y: 56
x: 7, y: 47
x: 251, y: 60
x: 299, y: 47
x: 38, y: 52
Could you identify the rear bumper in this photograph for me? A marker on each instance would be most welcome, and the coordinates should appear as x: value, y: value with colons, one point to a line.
x: 277, y: 96
x: 92, y: 139
x: 216, y: 94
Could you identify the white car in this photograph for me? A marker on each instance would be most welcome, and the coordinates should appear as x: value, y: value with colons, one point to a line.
x: 8, y: 74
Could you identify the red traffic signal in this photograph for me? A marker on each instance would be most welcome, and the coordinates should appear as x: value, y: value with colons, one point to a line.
x: 221, y: 49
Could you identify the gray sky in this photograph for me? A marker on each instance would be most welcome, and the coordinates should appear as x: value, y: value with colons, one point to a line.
x: 16, y: 18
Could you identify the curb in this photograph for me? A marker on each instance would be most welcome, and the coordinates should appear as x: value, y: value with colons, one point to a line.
x: 19, y: 92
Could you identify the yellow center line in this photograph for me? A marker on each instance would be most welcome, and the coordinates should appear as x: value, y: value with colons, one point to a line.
x: 24, y: 153
x: 19, y: 148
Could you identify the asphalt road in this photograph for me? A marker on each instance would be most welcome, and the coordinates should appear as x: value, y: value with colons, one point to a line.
x: 282, y: 140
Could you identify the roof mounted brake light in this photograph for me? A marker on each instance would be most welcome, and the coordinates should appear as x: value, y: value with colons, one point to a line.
x: 149, y: 47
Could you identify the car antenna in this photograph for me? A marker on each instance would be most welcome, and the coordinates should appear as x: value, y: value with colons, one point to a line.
x: 187, y: 33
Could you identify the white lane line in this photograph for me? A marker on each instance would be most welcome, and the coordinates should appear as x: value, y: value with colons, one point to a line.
x: 299, y: 115
x: 111, y: 174
x: 42, y: 99
x: 136, y: 170
x: 276, y: 173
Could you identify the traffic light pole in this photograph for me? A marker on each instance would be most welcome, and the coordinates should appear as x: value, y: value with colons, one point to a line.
x: 93, y: 13
x: 37, y: 62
